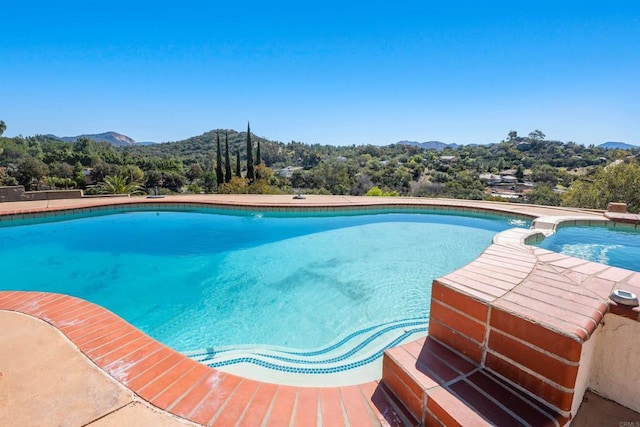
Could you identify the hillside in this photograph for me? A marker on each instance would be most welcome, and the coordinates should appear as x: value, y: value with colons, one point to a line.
x: 114, y: 138
x: 405, y: 168
x: 429, y: 145
x: 612, y: 145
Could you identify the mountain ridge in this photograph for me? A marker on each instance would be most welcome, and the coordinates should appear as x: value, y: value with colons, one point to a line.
x: 429, y: 145
x: 114, y: 138
x: 120, y: 140
x: 610, y: 145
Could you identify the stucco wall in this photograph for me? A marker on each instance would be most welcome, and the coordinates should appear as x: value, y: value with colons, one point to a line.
x: 587, y: 357
x: 17, y: 194
x: 614, y: 371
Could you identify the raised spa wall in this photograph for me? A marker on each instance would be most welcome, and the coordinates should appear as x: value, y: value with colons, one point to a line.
x: 528, y: 331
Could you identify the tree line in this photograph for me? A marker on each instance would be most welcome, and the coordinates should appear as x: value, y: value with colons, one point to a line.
x: 564, y: 173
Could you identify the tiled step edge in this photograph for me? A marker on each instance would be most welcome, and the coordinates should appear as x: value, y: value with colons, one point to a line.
x: 438, y: 386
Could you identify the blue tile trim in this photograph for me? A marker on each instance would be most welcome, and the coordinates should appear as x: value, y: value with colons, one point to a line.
x: 210, y: 352
x: 334, y: 359
x: 330, y: 370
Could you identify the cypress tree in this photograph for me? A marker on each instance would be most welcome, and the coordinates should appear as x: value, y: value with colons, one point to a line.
x: 258, y: 155
x: 250, y: 175
x: 238, y: 172
x: 219, y: 175
x: 227, y: 158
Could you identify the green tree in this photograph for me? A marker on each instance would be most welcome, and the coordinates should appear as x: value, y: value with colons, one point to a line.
x: 227, y: 158
x: 117, y: 184
x: 209, y: 181
x: 194, y: 172
x: 298, y: 179
x: 250, y: 174
x: 219, y: 174
x: 546, y: 174
x: 615, y: 183
x: 6, y: 179
x: 537, y: 135
x: 263, y: 182
x: 258, y: 154
x: 101, y: 170
x: 153, y: 178
x: 194, y: 189
x: 465, y: 186
x: 3, y: 127
x: 582, y: 194
x: 238, y: 169
x: 80, y: 179
x: 132, y: 172
x: 440, y: 177
x: 519, y: 173
x: 374, y: 191
x: 173, y: 181
x: 87, y: 147
x: 30, y: 171
x: 543, y: 195
x: 62, y: 170
x: 237, y: 185
x: 333, y: 176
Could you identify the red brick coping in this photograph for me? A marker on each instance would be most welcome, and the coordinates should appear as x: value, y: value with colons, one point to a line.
x: 188, y: 389
x: 628, y: 218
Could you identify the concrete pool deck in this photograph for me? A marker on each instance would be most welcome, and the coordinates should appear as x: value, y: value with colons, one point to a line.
x: 78, y: 380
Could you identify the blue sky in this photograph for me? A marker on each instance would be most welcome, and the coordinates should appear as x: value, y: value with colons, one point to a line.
x: 349, y: 72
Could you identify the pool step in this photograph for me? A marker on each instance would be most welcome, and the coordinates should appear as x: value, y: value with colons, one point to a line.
x: 354, y: 352
x: 438, y: 386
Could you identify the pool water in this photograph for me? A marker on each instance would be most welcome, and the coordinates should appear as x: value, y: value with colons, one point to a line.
x: 196, y: 280
x: 619, y: 247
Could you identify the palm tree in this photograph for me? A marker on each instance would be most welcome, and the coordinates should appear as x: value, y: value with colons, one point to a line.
x: 117, y: 184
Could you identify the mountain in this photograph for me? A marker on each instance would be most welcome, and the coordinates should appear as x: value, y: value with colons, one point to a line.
x: 617, y: 145
x: 429, y: 145
x: 112, y: 138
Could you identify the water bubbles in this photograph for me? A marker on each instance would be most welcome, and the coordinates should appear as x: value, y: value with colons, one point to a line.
x: 520, y: 223
x: 590, y: 251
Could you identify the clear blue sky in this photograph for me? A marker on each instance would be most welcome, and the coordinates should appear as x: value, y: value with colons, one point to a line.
x: 328, y: 72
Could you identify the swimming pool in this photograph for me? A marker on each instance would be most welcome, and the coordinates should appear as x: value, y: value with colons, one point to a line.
x: 319, y: 293
x: 619, y: 247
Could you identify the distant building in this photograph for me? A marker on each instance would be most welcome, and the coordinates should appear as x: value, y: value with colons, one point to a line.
x: 87, y: 176
x: 448, y: 159
x: 490, y: 179
x: 288, y: 171
x: 509, y: 179
x: 524, y: 187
